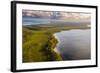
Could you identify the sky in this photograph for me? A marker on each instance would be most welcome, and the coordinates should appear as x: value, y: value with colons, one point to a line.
x: 57, y: 15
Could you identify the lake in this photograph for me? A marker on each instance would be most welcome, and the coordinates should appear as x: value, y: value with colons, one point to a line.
x: 27, y: 20
x: 74, y: 44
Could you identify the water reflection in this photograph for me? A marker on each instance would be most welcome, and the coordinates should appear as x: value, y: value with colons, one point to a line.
x: 74, y: 44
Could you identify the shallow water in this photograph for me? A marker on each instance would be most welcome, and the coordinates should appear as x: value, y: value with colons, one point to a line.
x: 74, y: 44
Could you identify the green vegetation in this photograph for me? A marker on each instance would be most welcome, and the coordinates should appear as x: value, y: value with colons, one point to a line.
x: 39, y: 43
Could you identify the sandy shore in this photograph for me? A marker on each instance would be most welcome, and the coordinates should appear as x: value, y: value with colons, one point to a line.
x: 55, y: 49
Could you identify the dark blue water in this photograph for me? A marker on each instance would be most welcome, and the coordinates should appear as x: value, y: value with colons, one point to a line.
x: 32, y: 20
x: 27, y: 20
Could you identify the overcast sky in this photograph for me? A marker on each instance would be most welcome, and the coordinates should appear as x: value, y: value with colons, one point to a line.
x: 57, y: 15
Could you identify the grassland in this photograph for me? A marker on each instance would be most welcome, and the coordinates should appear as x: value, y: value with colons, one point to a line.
x: 39, y: 43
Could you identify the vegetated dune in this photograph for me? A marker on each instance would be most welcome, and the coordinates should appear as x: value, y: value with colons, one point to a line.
x: 38, y: 46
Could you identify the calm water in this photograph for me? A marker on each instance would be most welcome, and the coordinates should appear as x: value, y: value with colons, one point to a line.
x: 32, y: 20
x: 74, y: 44
x: 26, y: 20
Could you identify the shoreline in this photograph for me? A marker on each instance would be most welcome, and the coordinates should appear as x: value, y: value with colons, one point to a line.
x: 45, y: 43
x: 55, y: 49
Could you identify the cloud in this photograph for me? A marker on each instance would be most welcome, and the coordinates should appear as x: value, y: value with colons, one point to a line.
x: 57, y: 15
